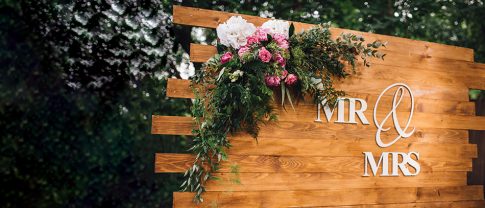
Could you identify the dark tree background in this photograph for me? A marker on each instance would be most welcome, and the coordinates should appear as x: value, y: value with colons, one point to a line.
x: 80, y: 80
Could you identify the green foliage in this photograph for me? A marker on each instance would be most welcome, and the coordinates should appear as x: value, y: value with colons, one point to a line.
x: 227, y: 108
x: 104, y: 44
x: 81, y: 145
x: 317, y: 59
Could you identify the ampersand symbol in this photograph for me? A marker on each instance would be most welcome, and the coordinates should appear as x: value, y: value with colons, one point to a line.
x: 398, y: 96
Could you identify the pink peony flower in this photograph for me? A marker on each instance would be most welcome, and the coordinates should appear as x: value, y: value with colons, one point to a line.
x: 226, y: 57
x: 284, y: 44
x: 280, y: 60
x: 252, y: 39
x: 272, y: 81
x: 261, y: 34
x: 278, y: 37
x: 264, y: 55
x: 284, y: 74
x: 281, y: 41
x: 242, y: 51
x: 291, y: 79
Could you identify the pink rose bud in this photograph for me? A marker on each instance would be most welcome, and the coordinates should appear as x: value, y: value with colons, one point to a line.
x: 226, y: 57
x: 272, y: 81
x: 242, y: 51
x: 291, y: 79
x: 284, y: 74
x: 280, y: 60
x: 264, y: 55
x: 252, y: 39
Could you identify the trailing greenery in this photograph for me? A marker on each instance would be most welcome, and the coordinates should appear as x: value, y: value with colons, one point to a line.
x: 316, y: 59
x: 233, y: 97
x: 227, y: 108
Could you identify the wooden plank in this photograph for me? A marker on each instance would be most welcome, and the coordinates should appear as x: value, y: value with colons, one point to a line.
x: 210, y: 19
x: 201, y: 53
x: 419, y: 120
x: 313, y: 130
x: 172, y: 125
x: 470, y: 73
x: 179, y: 88
x: 421, y: 104
x: 465, y: 196
x: 420, y: 69
x: 300, y: 146
x: 315, y: 147
x: 179, y: 163
x: 376, y: 86
x: 313, y: 181
x: 339, y: 132
x: 451, y: 204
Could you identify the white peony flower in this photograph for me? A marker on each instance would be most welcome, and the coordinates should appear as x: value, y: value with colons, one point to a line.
x: 277, y: 27
x: 234, y: 32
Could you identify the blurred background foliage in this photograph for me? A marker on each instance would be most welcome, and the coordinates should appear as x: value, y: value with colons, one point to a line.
x: 80, y: 80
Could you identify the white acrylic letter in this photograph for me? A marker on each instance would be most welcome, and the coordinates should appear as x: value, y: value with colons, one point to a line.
x: 329, y: 112
x: 414, y: 163
x: 341, y: 111
x: 369, y: 159
x: 360, y: 112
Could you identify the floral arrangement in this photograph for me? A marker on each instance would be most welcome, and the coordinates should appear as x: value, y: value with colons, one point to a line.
x: 234, y: 90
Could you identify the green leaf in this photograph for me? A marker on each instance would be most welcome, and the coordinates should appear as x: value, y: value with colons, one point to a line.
x: 289, y: 99
x: 220, y: 74
x: 291, y: 30
x: 283, y: 89
x: 221, y: 48
x: 270, y: 38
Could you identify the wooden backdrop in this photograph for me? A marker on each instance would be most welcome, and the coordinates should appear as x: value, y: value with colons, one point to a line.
x: 301, y: 163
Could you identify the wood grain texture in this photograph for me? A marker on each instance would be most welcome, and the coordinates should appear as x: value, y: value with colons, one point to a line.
x: 172, y: 125
x: 179, y: 163
x: 449, y: 204
x: 314, y: 130
x: 419, y: 120
x: 314, y: 147
x: 313, y: 181
x: 210, y: 19
x: 179, y: 88
x: 466, y: 196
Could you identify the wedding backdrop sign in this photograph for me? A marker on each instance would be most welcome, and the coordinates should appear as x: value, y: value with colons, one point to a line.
x: 397, y: 138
